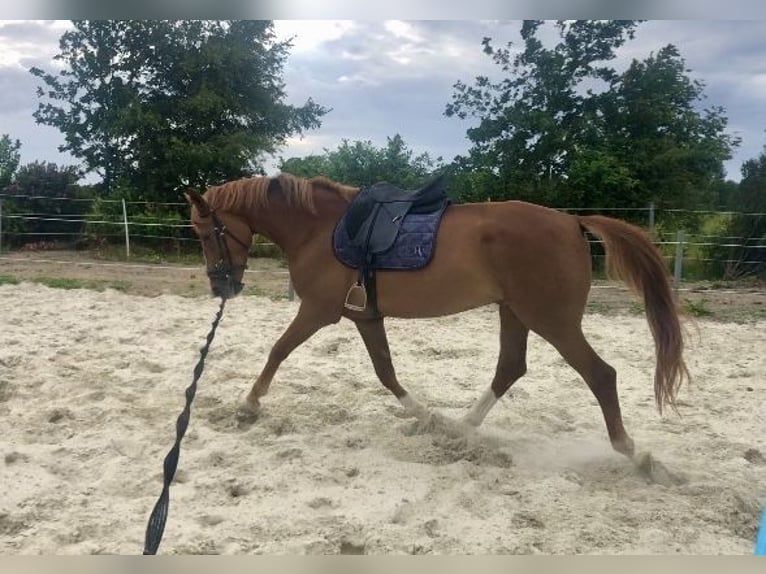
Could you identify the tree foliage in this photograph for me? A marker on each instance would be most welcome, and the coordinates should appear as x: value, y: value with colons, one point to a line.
x: 361, y: 163
x: 156, y: 105
x: 9, y: 159
x: 43, y: 194
x: 562, y: 126
x: 47, y: 179
x: 674, y: 152
x: 748, y: 225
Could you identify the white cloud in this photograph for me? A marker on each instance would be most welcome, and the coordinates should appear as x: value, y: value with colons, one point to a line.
x: 403, y: 30
x: 358, y: 79
x: 23, y: 40
x: 309, y: 35
x: 354, y: 56
x: 756, y: 84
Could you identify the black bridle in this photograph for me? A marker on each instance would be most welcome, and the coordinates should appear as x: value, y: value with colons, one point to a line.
x: 224, y: 269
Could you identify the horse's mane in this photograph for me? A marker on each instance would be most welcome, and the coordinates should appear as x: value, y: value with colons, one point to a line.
x: 253, y: 192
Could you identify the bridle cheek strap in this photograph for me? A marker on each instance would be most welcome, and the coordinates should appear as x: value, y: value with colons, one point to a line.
x: 224, y: 268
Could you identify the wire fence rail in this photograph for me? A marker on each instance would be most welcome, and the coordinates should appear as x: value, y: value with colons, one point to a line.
x: 133, y: 221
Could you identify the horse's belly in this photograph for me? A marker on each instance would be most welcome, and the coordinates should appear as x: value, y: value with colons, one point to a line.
x: 433, y: 292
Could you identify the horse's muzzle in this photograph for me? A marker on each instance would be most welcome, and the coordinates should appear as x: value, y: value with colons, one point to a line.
x: 223, y: 282
x: 227, y: 290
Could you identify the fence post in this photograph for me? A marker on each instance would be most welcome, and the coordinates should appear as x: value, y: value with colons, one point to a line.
x: 651, y: 218
x: 127, y: 235
x: 1, y: 225
x: 678, y: 267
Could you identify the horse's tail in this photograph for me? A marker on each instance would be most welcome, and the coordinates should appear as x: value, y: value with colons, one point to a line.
x: 632, y: 257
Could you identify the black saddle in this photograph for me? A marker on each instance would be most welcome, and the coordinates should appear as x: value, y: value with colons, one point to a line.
x: 376, y: 214
x: 366, y: 236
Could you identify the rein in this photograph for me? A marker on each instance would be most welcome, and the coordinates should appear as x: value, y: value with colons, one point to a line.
x: 156, y: 526
x: 223, y: 270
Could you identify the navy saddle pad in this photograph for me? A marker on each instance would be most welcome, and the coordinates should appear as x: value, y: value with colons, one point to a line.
x: 386, y: 227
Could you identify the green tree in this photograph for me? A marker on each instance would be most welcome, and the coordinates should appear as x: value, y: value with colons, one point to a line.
x: 673, y: 151
x: 748, y: 226
x: 535, y: 121
x: 726, y: 195
x: 153, y: 106
x: 9, y: 160
x: 42, y: 178
x: 48, y: 196
x: 361, y: 163
x: 564, y: 128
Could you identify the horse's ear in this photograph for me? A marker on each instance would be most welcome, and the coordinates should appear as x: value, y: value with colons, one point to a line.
x: 194, y: 198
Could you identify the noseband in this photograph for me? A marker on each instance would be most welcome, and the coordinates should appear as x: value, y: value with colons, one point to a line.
x: 224, y: 268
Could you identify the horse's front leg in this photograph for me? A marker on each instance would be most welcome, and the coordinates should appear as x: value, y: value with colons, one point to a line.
x: 307, y: 322
x: 374, y: 336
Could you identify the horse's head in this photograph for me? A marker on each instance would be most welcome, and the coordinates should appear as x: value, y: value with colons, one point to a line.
x: 225, y: 240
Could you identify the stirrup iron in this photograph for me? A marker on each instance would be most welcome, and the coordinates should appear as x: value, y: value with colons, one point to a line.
x: 356, y: 292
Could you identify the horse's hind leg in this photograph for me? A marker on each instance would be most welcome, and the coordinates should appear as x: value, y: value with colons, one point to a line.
x: 511, y: 365
x: 307, y: 322
x: 600, y: 377
x: 602, y: 380
x: 374, y: 336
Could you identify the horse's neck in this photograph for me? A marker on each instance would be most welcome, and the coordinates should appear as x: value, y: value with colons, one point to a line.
x: 290, y: 227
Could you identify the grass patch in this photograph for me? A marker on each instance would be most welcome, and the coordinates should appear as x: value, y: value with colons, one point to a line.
x: 185, y: 256
x: 697, y: 308
x: 61, y: 283
x: 65, y: 283
x: 598, y: 307
x: 143, y: 254
x: 637, y: 308
x: 121, y: 286
x: 92, y: 284
x: 254, y: 291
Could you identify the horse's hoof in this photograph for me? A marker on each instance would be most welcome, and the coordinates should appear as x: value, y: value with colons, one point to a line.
x: 627, y: 447
x: 405, y: 414
x: 247, y: 414
x: 469, y: 421
x: 655, y: 471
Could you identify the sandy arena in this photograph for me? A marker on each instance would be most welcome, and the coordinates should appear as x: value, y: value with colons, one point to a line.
x: 91, y: 384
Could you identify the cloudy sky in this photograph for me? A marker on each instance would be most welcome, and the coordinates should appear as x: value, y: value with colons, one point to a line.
x: 387, y: 77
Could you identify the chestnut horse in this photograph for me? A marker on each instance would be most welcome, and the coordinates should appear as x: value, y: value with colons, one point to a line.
x: 532, y: 261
